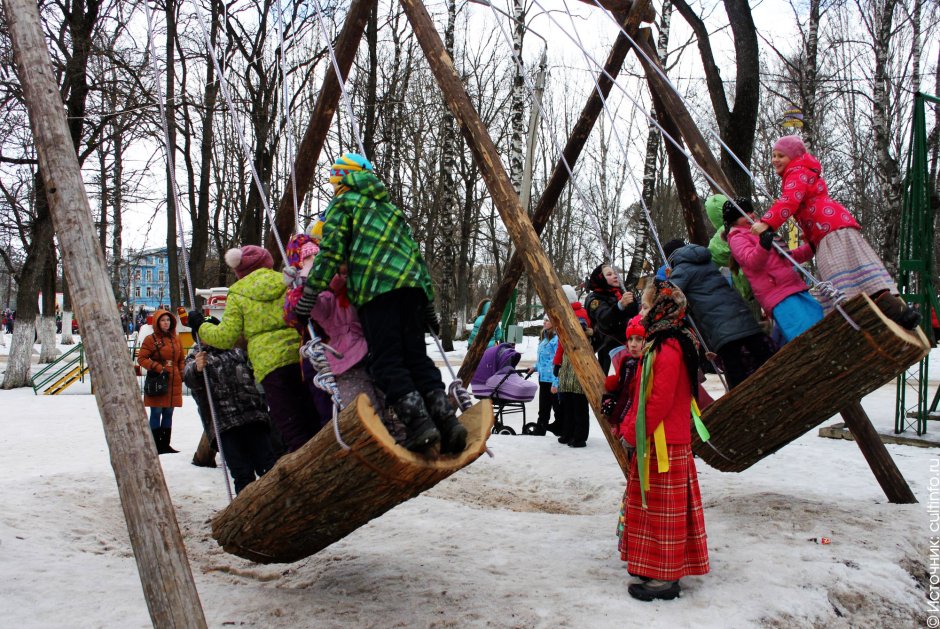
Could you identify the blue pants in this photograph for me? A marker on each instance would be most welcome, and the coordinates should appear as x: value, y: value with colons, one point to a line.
x: 796, y: 314
x: 155, y: 417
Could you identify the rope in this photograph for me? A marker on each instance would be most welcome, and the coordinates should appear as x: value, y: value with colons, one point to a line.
x: 339, y: 77
x: 285, y: 102
x: 171, y: 170
x: 314, y: 351
x: 246, y: 151
x: 688, y: 155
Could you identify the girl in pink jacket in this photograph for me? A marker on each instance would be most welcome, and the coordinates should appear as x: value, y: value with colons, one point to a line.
x: 843, y: 256
x: 776, y: 285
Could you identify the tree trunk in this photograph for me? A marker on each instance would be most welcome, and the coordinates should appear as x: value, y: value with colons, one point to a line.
x: 517, y: 105
x: 888, y: 172
x: 154, y: 533
x: 809, y: 82
x: 172, y: 258
x: 66, y: 338
x: 46, y: 323
x: 117, y: 223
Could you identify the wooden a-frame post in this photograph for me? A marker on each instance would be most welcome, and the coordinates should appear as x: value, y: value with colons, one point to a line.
x: 151, y: 522
x: 305, y: 162
x: 523, y: 235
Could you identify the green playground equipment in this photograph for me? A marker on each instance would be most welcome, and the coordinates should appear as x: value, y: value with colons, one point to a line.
x: 913, y: 407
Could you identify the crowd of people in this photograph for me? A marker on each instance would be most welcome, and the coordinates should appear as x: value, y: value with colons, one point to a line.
x: 357, y: 279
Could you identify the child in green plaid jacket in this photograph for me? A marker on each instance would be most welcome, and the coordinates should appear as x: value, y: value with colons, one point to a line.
x: 389, y: 284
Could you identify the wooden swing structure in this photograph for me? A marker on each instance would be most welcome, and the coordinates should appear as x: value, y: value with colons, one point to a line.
x: 272, y: 520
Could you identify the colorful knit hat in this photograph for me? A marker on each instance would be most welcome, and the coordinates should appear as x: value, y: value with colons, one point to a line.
x: 299, y: 248
x: 346, y: 164
x: 315, y: 230
x: 635, y: 327
x: 790, y: 145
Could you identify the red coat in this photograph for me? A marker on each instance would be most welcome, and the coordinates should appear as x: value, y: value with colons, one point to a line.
x: 168, y: 356
x: 580, y: 313
x: 670, y: 401
x: 805, y: 197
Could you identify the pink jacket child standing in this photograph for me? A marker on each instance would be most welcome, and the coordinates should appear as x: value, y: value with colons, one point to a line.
x: 776, y: 285
x: 338, y: 321
x: 843, y: 256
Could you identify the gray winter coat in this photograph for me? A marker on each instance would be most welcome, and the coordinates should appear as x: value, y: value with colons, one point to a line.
x: 718, y: 310
x: 236, y: 398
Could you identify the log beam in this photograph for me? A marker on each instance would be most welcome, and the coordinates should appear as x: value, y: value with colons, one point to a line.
x: 539, y: 267
x: 164, y: 570
x: 876, y: 454
x: 305, y: 162
x: 555, y: 186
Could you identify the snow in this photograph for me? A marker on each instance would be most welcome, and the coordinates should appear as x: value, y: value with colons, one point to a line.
x: 524, y: 539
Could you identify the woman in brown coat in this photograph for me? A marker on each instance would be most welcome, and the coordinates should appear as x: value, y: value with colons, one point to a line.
x: 162, y: 351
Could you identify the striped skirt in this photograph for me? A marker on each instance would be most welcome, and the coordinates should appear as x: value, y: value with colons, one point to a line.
x: 665, y: 541
x: 846, y: 259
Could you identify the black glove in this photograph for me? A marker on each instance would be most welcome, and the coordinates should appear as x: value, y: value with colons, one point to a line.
x: 305, y: 304
x: 767, y: 239
x: 195, y: 319
x: 431, y: 320
x: 212, y: 320
x: 556, y: 369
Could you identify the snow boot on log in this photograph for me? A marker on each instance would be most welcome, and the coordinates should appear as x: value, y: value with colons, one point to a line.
x: 897, y: 310
x: 453, y: 434
x: 422, y: 434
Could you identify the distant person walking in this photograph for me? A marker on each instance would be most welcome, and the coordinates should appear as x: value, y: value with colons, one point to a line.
x: 162, y: 352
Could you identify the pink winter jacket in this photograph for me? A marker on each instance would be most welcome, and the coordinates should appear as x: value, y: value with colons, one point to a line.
x: 342, y: 328
x: 805, y: 196
x: 772, y: 277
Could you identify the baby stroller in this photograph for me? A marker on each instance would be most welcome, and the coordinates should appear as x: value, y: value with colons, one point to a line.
x: 497, y: 379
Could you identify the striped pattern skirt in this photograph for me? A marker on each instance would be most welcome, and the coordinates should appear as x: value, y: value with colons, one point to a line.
x: 848, y: 261
x: 665, y: 541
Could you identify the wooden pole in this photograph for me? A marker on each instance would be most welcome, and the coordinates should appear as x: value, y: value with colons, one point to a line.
x: 305, y: 162
x: 523, y: 235
x: 155, y: 537
x: 879, y: 459
x: 553, y: 189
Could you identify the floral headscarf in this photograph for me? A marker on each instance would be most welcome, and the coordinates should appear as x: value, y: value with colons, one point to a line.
x: 597, y: 283
x: 666, y: 319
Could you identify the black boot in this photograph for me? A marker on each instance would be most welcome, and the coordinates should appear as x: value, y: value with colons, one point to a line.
x: 453, y: 434
x: 163, y: 441
x: 422, y: 434
x: 897, y: 310
x: 168, y: 432
x: 158, y: 438
x: 654, y: 590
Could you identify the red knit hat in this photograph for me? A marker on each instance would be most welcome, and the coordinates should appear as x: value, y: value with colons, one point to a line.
x: 635, y: 327
x: 247, y: 259
x: 790, y: 145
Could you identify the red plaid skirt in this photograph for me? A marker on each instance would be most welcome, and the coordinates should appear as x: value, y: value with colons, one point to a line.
x: 665, y: 541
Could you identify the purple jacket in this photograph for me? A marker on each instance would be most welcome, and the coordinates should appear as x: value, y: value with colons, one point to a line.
x: 342, y: 327
x: 771, y: 276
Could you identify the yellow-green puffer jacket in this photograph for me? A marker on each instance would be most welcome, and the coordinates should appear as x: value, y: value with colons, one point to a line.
x: 254, y: 309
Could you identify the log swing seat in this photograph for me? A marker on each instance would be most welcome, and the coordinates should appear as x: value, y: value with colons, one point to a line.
x: 323, y: 492
x: 819, y: 373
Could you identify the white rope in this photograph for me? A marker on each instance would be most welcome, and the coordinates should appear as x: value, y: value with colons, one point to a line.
x: 285, y: 104
x: 246, y: 151
x: 827, y: 287
x: 339, y: 78
x: 171, y: 169
x: 314, y: 351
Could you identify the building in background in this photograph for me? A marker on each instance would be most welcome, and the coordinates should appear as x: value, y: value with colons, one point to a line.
x: 145, y: 280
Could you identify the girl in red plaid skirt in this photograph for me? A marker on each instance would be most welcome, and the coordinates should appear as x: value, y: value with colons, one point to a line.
x: 665, y: 527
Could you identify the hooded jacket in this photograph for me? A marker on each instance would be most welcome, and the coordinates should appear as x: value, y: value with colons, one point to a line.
x: 163, y: 352
x: 772, y: 277
x: 366, y: 231
x: 254, y: 309
x: 718, y: 310
x: 721, y: 252
x: 497, y: 334
x: 342, y: 327
x: 805, y: 196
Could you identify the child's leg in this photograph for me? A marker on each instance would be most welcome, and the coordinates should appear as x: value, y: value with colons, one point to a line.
x: 290, y: 406
x: 545, y: 406
x: 236, y: 445
x: 580, y: 420
x: 564, y: 417
x: 356, y: 381
x: 260, y: 449
x: 796, y: 314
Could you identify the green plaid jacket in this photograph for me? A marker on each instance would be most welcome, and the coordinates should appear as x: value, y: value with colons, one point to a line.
x: 363, y: 229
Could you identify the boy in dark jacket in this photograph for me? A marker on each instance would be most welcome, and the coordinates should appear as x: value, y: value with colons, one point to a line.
x: 389, y: 284
x: 722, y: 316
x: 240, y: 411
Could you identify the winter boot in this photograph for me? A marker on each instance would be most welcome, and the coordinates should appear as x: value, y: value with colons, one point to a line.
x: 158, y: 438
x: 653, y: 589
x: 422, y: 435
x: 163, y: 444
x: 897, y: 310
x: 453, y: 434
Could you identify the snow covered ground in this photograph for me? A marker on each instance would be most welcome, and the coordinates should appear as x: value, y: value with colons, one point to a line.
x: 524, y: 539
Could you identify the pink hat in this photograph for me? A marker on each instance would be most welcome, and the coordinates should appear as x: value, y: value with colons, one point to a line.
x: 790, y: 145
x: 247, y: 259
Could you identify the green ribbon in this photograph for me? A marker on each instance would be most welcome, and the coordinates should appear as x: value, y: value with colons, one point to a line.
x: 641, y: 452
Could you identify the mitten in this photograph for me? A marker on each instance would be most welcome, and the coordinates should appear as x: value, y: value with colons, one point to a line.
x: 195, y: 319
x: 431, y: 320
x: 767, y: 239
x: 305, y: 304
